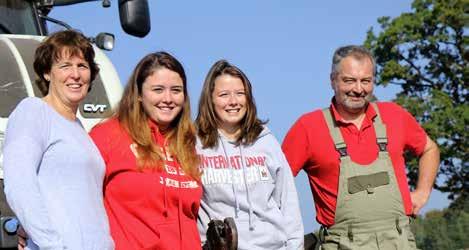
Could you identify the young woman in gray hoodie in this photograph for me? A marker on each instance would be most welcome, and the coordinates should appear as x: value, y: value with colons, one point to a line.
x: 244, y: 172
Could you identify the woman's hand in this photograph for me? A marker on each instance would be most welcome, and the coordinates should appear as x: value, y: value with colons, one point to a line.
x: 22, y: 238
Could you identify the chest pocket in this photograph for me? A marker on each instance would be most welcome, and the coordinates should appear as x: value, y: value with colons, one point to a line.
x: 367, y: 182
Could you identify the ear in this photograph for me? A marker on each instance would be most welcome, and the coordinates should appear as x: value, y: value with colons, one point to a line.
x: 47, y: 77
x: 332, y: 78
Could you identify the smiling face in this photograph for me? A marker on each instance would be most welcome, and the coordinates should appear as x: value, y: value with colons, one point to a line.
x: 229, y: 101
x: 162, y: 96
x: 69, y: 79
x: 353, y: 84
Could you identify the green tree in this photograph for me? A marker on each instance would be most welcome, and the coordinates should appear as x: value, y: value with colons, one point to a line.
x: 426, y: 52
x: 446, y: 229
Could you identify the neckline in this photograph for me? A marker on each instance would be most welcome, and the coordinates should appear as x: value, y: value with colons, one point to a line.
x: 56, y: 113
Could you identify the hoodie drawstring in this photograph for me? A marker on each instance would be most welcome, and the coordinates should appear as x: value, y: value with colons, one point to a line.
x: 179, y: 209
x: 165, y: 209
x: 165, y: 212
x: 251, y: 212
x: 154, y: 133
x: 237, y: 209
x: 235, y: 194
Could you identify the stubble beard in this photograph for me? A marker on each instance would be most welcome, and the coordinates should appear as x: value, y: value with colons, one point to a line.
x: 354, y: 105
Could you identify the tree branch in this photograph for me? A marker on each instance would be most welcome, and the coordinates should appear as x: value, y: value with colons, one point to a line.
x: 419, y: 72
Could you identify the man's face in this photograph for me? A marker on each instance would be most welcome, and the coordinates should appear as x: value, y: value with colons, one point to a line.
x: 353, y: 84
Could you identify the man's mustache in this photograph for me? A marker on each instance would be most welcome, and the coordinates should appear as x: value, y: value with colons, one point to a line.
x: 355, y: 94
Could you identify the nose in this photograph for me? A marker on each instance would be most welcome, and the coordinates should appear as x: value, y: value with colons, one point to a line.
x: 167, y: 97
x: 233, y: 100
x: 358, y: 87
x: 75, y: 74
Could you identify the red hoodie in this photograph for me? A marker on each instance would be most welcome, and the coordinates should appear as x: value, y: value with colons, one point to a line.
x: 143, y: 212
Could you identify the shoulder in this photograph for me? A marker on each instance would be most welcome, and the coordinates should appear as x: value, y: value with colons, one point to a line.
x: 107, y: 125
x: 31, y: 101
x: 267, y: 141
x: 266, y: 134
x: 312, y: 116
x: 30, y: 112
x: 308, y: 120
x: 392, y: 111
x: 109, y: 136
x: 201, y: 150
x: 107, y: 129
x: 29, y: 121
x: 29, y: 106
x: 389, y: 107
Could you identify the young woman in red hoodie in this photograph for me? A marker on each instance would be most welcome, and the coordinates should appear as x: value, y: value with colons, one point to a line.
x: 152, y: 184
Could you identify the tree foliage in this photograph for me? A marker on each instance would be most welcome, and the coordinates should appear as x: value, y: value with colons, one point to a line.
x: 446, y: 229
x: 426, y: 52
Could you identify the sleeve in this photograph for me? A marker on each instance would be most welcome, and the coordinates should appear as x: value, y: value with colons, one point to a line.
x: 295, y: 147
x: 25, y: 144
x: 415, y: 137
x: 101, y: 140
x: 287, y: 197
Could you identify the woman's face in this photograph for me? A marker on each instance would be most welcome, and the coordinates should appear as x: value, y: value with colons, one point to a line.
x: 229, y: 100
x: 163, y: 96
x: 69, y: 79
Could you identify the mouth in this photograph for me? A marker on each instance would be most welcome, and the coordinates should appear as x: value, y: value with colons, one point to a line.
x: 74, y: 86
x: 356, y: 96
x: 165, y: 108
x: 232, y: 111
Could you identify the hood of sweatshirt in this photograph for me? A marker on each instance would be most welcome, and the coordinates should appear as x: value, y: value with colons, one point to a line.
x: 245, y: 182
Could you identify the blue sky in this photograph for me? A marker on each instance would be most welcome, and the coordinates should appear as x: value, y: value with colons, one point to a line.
x: 284, y: 47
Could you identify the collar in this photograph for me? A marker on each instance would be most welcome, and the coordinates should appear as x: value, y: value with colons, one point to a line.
x: 155, y: 131
x: 370, y: 114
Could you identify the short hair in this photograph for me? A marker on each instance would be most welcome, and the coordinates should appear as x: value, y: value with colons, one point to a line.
x: 133, y: 118
x: 50, y: 50
x: 356, y: 51
x: 207, y: 120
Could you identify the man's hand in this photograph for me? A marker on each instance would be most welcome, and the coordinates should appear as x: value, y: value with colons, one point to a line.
x: 419, y: 199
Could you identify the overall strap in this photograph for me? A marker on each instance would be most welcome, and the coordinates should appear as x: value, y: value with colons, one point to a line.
x: 380, y: 130
x: 335, y: 133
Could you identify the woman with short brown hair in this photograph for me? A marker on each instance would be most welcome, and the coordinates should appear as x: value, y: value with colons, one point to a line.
x: 53, y: 172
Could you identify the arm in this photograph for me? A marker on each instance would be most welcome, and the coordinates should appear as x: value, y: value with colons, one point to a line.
x: 287, y: 197
x: 295, y: 147
x: 428, y: 167
x: 100, y: 138
x: 23, y: 151
x: 417, y: 141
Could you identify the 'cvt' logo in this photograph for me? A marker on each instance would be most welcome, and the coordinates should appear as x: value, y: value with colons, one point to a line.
x: 93, y: 108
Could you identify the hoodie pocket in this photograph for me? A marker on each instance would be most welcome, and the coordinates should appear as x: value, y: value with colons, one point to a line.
x: 264, y: 235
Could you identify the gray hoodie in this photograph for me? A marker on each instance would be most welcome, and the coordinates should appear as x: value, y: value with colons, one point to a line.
x: 254, y: 185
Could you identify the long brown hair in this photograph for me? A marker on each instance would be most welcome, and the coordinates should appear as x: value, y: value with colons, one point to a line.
x: 207, y: 120
x: 181, y: 135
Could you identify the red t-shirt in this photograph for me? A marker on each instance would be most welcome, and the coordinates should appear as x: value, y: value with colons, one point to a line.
x: 147, y: 209
x: 309, y: 146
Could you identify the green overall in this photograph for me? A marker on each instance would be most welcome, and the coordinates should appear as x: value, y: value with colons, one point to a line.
x: 369, y: 212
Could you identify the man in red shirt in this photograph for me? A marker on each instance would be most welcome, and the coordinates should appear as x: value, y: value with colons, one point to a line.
x: 353, y: 155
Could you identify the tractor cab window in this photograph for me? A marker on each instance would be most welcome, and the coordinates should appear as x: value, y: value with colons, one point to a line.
x: 17, y: 17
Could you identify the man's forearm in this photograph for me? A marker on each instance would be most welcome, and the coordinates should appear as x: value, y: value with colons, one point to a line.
x: 428, y: 167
